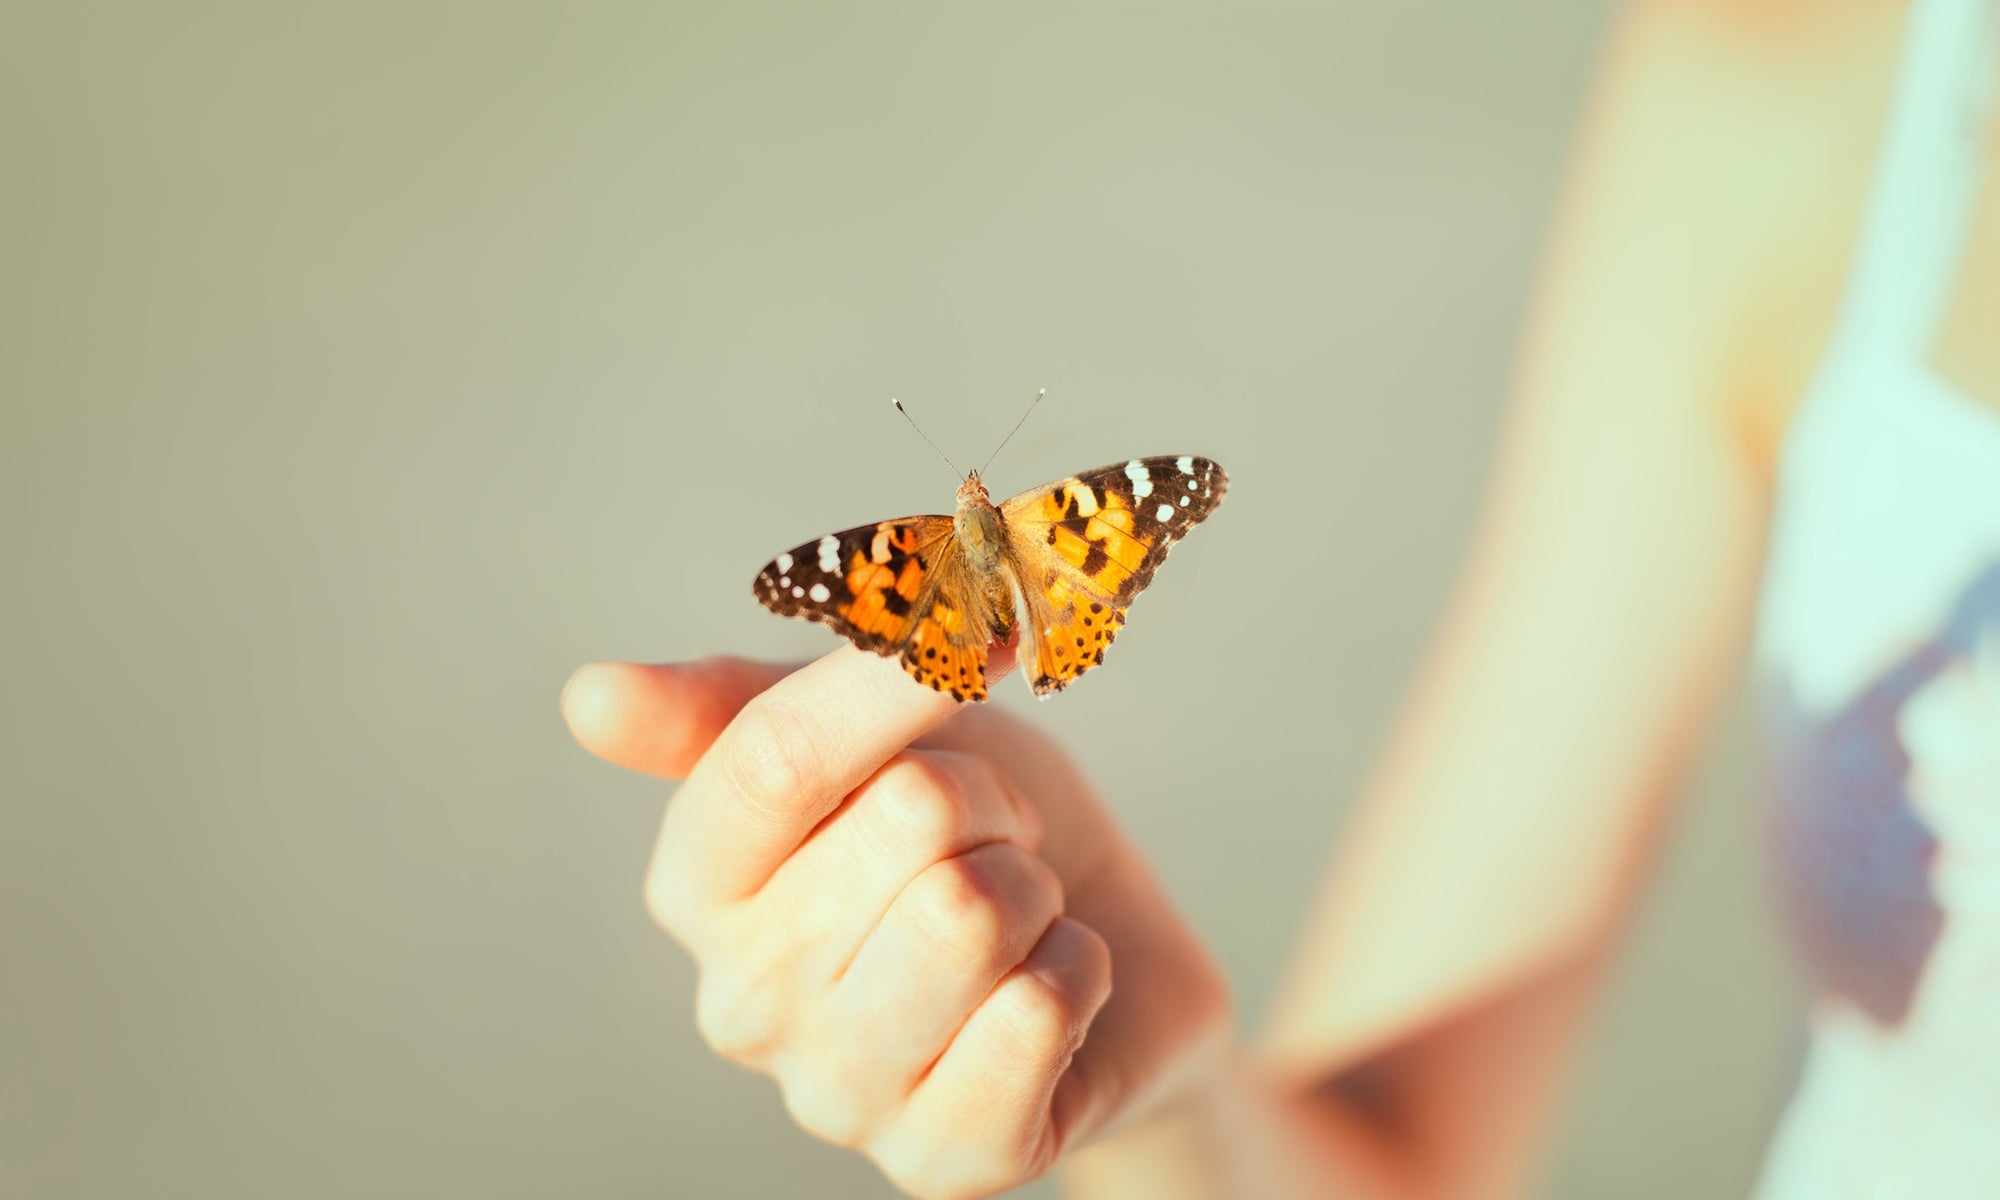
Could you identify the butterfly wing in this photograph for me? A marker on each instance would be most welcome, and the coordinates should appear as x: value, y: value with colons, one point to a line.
x: 898, y: 588
x: 1083, y: 548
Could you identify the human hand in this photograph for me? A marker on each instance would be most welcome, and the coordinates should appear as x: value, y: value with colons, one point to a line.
x: 906, y: 910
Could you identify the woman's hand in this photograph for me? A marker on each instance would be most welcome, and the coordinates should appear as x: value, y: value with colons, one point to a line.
x: 912, y: 923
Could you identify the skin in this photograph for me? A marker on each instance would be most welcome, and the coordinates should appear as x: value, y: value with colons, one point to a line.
x: 910, y: 925
x: 935, y: 940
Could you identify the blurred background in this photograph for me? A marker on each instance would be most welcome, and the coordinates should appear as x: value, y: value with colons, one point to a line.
x: 367, y: 367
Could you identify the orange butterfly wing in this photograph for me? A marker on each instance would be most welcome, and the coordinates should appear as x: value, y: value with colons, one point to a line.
x: 1083, y: 548
x: 898, y: 588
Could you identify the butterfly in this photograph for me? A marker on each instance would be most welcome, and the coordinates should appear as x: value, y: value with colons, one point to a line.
x: 935, y: 591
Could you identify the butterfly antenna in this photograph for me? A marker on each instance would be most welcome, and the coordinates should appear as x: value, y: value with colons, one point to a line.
x: 1011, y: 432
x: 958, y: 474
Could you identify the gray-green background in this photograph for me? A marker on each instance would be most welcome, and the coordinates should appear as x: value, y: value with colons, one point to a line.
x: 365, y: 367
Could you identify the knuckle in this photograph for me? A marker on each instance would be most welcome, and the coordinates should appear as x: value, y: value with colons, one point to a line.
x: 770, y: 762
x: 929, y: 1170
x: 914, y: 1173
x: 976, y: 773
x: 957, y: 903
x: 823, y: 1109
x: 985, y: 774
x: 734, y: 1018
x: 909, y: 1176
x: 1041, y: 1019
x: 923, y: 805
x: 667, y: 904
x: 1023, y: 813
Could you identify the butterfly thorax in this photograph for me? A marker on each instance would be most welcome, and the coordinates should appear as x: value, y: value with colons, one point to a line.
x: 982, y: 538
x: 981, y: 534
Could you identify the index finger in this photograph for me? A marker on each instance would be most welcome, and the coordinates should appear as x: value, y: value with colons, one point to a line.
x: 659, y: 718
x: 784, y: 763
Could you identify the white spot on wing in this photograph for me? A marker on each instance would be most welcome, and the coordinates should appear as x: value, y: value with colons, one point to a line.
x: 786, y: 580
x: 1184, y: 501
x: 784, y: 564
x: 1194, y: 485
x: 829, y: 554
x: 1186, y: 464
x: 1142, y: 479
x: 1166, y: 511
x: 797, y: 592
x: 819, y: 593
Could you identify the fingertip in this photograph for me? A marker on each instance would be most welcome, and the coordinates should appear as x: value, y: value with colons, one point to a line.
x: 659, y: 718
x: 593, y: 702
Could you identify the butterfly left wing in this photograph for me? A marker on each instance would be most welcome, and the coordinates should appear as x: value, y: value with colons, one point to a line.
x: 898, y: 588
x: 1083, y: 548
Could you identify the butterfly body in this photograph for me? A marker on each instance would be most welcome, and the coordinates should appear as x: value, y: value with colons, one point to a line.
x: 981, y: 530
x: 935, y: 591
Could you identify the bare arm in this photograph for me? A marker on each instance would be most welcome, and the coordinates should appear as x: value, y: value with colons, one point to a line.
x: 1494, y: 856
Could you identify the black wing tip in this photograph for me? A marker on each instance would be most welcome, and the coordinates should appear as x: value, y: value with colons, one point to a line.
x: 1200, y: 465
x: 766, y: 590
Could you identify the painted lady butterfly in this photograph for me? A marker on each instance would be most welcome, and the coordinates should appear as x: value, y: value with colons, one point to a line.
x: 936, y: 590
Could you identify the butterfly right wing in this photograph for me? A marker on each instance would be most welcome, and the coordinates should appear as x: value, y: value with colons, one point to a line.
x: 1083, y: 548
x: 897, y: 588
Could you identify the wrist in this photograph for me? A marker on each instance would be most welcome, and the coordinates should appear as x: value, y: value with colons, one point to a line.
x: 1233, y: 1128
x: 1180, y: 1144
